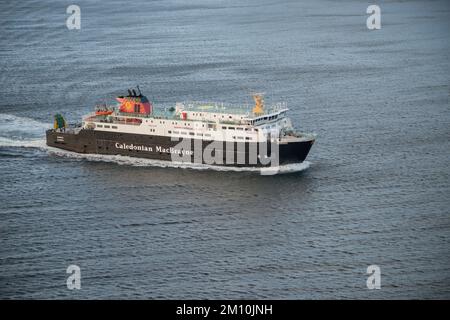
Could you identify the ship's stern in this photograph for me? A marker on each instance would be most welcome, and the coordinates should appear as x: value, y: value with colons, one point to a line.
x: 70, y: 139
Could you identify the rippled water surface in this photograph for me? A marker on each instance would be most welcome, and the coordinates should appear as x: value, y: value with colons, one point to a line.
x: 375, y: 188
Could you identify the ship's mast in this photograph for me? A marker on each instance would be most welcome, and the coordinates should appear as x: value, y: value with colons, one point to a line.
x: 258, y: 109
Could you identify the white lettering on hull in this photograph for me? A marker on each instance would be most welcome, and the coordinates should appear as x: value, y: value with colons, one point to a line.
x: 161, y: 149
x: 133, y: 147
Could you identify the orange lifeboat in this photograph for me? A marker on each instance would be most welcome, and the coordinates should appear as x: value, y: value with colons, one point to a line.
x: 103, y: 112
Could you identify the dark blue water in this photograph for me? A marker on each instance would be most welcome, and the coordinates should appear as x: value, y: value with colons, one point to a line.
x: 375, y: 191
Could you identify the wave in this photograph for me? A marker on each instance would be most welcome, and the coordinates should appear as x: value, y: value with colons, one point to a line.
x: 14, y: 125
x: 18, y: 131
x: 22, y: 132
x: 28, y: 143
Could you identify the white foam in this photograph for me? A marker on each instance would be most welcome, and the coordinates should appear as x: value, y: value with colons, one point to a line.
x: 22, y: 132
x: 26, y: 143
x: 141, y: 162
x: 10, y: 123
x: 14, y: 124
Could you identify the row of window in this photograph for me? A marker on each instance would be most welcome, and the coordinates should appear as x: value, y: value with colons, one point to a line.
x: 206, y: 135
x: 181, y: 132
x: 242, y: 138
x: 174, y: 123
x: 188, y: 133
x: 268, y: 118
x: 212, y: 126
x: 215, y: 115
x: 189, y: 124
x: 239, y: 128
x: 106, y: 126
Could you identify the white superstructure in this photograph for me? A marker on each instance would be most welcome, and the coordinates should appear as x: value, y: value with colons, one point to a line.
x: 206, y: 121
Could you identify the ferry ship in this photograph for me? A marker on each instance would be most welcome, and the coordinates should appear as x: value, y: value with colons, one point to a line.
x: 207, y: 133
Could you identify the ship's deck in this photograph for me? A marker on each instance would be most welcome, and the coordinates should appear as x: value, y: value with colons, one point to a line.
x: 245, y: 109
x: 217, y: 108
x: 171, y: 113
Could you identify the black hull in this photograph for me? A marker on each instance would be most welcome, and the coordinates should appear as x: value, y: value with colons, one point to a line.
x: 236, y: 154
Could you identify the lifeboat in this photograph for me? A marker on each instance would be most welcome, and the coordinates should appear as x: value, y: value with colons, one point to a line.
x: 103, y: 112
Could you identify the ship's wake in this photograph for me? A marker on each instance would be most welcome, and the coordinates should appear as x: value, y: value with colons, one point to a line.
x: 20, y: 132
